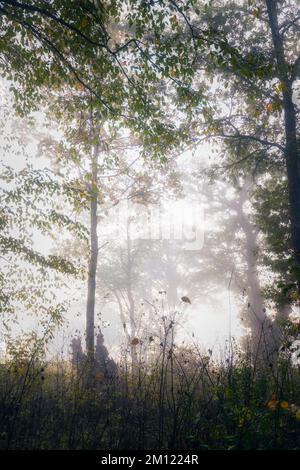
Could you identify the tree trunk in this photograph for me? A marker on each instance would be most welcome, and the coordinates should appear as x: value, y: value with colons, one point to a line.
x: 264, y: 341
x: 252, y: 280
x: 90, y: 305
x: 171, y: 278
x: 131, y: 303
x: 291, y: 150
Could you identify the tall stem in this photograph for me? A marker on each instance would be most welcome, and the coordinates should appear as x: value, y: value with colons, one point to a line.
x: 92, y: 269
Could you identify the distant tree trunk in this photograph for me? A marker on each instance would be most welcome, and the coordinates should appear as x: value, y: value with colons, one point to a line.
x: 122, y: 316
x: 92, y: 269
x: 171, y: 280
x: 255, y: 297
x: 264, y: 338
x: 132, y: 319
x: 291, y: 150
x: 133, y: 346
x: 250, y: 255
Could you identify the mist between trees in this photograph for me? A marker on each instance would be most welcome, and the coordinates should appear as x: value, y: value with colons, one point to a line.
x: 150, y: 224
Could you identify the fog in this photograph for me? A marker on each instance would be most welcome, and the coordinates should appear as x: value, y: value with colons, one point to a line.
x: 173, y: 222
x: 149, y: 226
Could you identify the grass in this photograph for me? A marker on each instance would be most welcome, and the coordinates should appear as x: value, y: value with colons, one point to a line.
x: 181, y: 400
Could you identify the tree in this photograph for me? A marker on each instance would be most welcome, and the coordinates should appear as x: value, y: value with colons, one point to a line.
x: 93, y: 46
x: 87, y: 58
x: 287, y: 73
x: 28, y: 214
x: 266, y: 89
x: 89, y: 150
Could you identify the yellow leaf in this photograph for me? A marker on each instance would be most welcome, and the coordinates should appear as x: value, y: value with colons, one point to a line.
x: 269, y: 107
x: 284, y: 405
x: 272, y: 403
x: 79, y: 87
x: 23, y: 370
x: 256, y: 12
x: 84, y: 23
x: 280, y: 87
